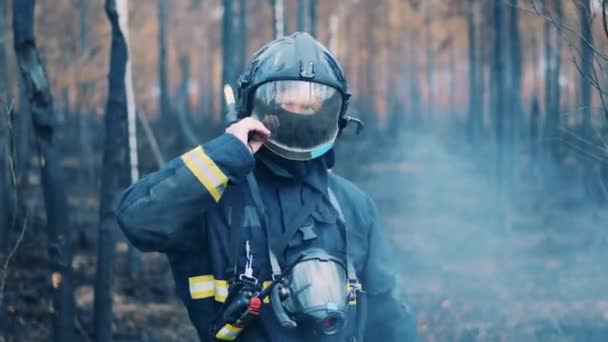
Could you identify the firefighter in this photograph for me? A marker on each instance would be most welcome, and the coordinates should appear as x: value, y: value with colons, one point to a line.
x: 264, y: 241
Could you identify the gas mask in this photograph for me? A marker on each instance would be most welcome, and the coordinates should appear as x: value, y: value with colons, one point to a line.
x: 313, y: 294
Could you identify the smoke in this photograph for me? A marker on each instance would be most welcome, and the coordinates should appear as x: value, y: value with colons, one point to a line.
x: 536, y: 273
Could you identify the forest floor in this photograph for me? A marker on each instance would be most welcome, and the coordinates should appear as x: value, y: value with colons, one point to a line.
x: 539, y: 277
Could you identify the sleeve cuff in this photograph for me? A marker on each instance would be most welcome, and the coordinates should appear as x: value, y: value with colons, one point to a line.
x: 221, y: 160
x: 232, y: 156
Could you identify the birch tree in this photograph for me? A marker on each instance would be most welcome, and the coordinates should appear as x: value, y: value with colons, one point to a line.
x: 115, y: 174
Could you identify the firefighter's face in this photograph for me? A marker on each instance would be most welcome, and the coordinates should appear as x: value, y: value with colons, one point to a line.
x: 298, y: 99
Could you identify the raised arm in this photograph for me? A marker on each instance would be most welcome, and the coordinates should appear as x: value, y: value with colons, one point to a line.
x: 162, y: 212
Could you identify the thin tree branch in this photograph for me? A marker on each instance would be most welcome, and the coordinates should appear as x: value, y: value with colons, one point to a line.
x: 158, y: 156
x: 604, y: 15
x: 592, y: 81
x: 11, y: 161
x: 9, y: 257
x: 557, y: 24
x: 603, y: 184
x: 583, y: 152
x: 583, y: 140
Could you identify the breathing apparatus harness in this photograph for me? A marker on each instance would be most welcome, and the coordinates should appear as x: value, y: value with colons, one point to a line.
x: 246, y: 295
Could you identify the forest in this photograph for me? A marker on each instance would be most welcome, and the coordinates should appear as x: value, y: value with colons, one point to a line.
x: 485, y: 149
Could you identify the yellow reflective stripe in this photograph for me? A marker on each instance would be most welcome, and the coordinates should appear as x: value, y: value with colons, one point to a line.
x: 206, y: 286
x: 349, y: 289
x: 206, y: 171
x: 265, y: 285
x: 229, y: 332
x: 221, y: 290
x: 201, y: 287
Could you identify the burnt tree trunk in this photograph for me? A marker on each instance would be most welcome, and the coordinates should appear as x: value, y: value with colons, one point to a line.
x: 228, y: 51
x: 163, y: 74
x: 553, y: 43
x: 452, y: 77
x: 189, y: 137
x: 278, y: 18
x: 499, y: 94
x: 414, y: 84
x: 474, y: 117
x: 586, y: 65
x: 301, y: 21
x: 515, y: 53
x: 512, y: 88
x: 242, y: 34
x: 44, y: 121
x: 4, y: 88
x: 430, y: 64
x: 5, y: 179
x: 312, y: 6
x: 115, y: 174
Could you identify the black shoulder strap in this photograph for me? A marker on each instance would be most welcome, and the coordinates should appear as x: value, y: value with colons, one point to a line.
x: 254, y: 191
x: 350, y: 267
x: 292, y: 227
x: 235, y: 220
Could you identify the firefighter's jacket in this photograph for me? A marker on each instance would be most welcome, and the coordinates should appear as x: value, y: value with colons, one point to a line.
x: 184, y: 210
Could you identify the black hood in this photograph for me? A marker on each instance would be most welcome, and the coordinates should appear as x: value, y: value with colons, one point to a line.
x: 313, y: 172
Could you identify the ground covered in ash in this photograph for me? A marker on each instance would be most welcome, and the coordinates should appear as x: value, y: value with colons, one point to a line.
x: 538, y: 275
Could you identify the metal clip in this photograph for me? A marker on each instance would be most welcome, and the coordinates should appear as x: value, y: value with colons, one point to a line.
x: 248, y: 274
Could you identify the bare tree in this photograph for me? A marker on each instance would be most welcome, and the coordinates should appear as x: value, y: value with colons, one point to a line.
x: 312, y: 6
x: 302, y: 24
x: 183, y: 104
x: 5, y: 180
x: 278, y: 18
x: 552, y: 43
x: 132, y: 254
x: 414, y: 84
x: 3, y: 61
x: 499, y: 94
x: 516, y: 65
x: 475, y: 96
x: 586, y: 67
x: 115, y: 174
x: 430, y: 63
x: 242, y: 36
x: 44, y: 121
x: 228, y: 48
x: 452, y: 75
x: 163, y: 73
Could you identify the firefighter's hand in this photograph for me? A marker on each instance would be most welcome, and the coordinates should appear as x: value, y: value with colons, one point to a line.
x: 251, y: 132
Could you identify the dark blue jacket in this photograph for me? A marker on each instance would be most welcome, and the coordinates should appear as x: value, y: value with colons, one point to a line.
x: 185, y: 208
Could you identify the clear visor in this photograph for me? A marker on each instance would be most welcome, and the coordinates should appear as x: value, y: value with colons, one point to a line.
x: 301, y: 116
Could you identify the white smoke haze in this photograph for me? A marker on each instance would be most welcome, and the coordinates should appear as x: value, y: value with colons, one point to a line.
x: 538, y: 276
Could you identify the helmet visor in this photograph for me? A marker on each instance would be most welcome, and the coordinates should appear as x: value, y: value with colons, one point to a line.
x: 301, y: 116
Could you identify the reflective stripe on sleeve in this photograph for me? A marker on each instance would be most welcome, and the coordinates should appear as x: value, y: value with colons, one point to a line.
x: 207, y: 286
x: 221, y: 290
x: 206, y: 171
x: 228, y: 332
x: 201, y: 287
x: 265, y: 285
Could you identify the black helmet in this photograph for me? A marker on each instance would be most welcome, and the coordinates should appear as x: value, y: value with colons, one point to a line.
x: 297, y: 88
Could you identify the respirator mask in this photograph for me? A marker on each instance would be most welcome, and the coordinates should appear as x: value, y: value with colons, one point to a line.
x: 314, y: 294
